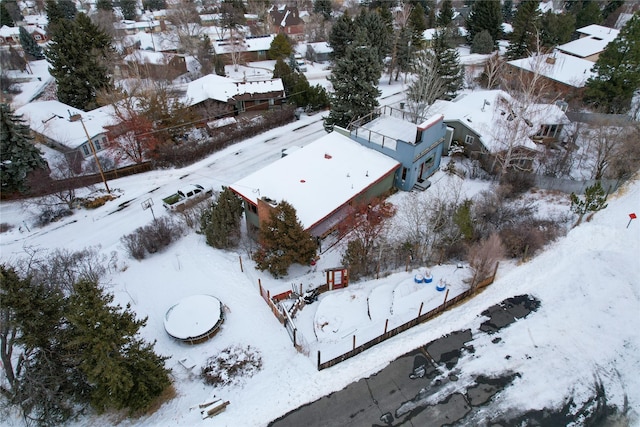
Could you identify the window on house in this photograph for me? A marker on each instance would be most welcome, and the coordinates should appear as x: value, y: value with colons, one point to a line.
x: 37, y: 37
x: 97, y: 145
x: 271, y: 102
x: 253, y: 208
x: 469, y: 139
x: 404, y: 174
x: 429, y: 162
x: 85, y: 149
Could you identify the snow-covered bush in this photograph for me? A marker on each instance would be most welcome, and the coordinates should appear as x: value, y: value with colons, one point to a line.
x: 231, y: 364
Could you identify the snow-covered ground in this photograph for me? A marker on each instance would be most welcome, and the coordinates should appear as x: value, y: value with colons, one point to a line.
x: 588, y: 325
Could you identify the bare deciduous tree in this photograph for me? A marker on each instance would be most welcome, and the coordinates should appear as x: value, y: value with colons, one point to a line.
x: 427, y: 85
x: 483, y: 257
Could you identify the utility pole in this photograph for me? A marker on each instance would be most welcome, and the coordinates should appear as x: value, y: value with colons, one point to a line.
x: 93, y: 150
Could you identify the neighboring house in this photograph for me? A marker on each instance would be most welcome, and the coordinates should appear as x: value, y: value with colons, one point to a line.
x: 155, y: 65
x: 318, y: 52
x: 247, y: 49
x: 322, y: 181
x: 593, y: 39
x: 59, y: 126
x: 566, y: 74
x: 484, y: 124
x: 11, y: 35
x: 286, y: 19
x: 126, y: 27
x: 418, y: 147
x: 214, y: 96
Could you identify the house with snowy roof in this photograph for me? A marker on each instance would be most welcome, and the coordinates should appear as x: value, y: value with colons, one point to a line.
x: 485, y: 124
x: 286, y: 19
x: 318, y: 51
x: 417, y: 143
x: 247, y: 49
x: 593, y: 39
x: 565, y: 74
x: 214, y: 96
x: 65, y: 128
x: 11, y: 35
x: 155, y: 65
x: 322, y: 181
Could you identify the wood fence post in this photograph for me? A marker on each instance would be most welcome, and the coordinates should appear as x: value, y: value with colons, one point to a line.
x: 241, y: 269
x: 420, y: 311
x: 354, y: 341
x: 294, y: 337
x: 495, y: 271
x: 386, y: 323
x: 444, y: 304
x: 318, y: 360
x: 300, y: 289
x: 260, y: 287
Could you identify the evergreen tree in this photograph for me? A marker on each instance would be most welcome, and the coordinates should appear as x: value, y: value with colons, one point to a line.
x: 341, y: 36
x: 324, y: 8
x: 485, y: 15
x: 448, y: 65
x: 377, y: 30
x: 617, y: 71
x: 55, y: 14
x: 5, y: 16
x: 523, y: 40
x: 154, y: 4
x: 283, y: 241
x: 104, y: 343
x: 78, y: 53
x: 68, y: 9
x: 31, y: 48
x: 33, y: 363
x: 221, y: 223
x: 104, y: 5
x: 418, y: 24
x: 128, y: 9
x: 355, y: 81
x: 445, y: 17
x: 507, y: 10
x: 590, y: 13
x: 18, y: 155
x: 594, y: 200
x: 482, y: 43
x: 556, y: 28
x: 280, y: 47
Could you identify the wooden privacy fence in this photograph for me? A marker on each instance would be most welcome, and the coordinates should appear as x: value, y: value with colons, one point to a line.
x: 410, y: 324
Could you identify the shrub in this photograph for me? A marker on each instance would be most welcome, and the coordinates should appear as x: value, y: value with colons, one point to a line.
x: 96, y: 202
x: 230, y: 364
x: 151, y: 238
x: 51, y: 214
x: 4, y: 227
x: 528, y: 237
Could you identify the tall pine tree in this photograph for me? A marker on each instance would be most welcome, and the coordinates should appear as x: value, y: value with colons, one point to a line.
x: 103, y: 341
x: 128, y: 9
x: 448, y: 65
x: 221, y: 223
x: 524, y: 38
x: 5, y: 16
x: 485, y: 15
x: 31, y: 48
x: 283, y: 241
x: 617, y: 71
x: 18, y: 155
x: 341, y: 36
x: 79, y: 53
x: 355, y: 81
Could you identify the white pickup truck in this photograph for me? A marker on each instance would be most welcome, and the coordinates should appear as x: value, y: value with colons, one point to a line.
x: 187, y: 196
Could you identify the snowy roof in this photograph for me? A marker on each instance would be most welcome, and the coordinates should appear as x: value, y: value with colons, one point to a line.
x: 558, y: 66
x: 148, y: 57
x: 318, y: 178
x: 39, y: 20
x: 393, y: 127
x: 320, y: 47
x: 251, y: 44
x: 51, y: 118
x: 604, y: 33
x: 223, y: 89
x: 151, y: 41
x: 487, y: 113
x: 594, y: 40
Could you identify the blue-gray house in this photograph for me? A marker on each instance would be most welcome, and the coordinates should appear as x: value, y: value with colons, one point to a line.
x: 394, y: 132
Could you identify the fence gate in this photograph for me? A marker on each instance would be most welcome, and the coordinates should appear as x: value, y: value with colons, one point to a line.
x: 337, y: 278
